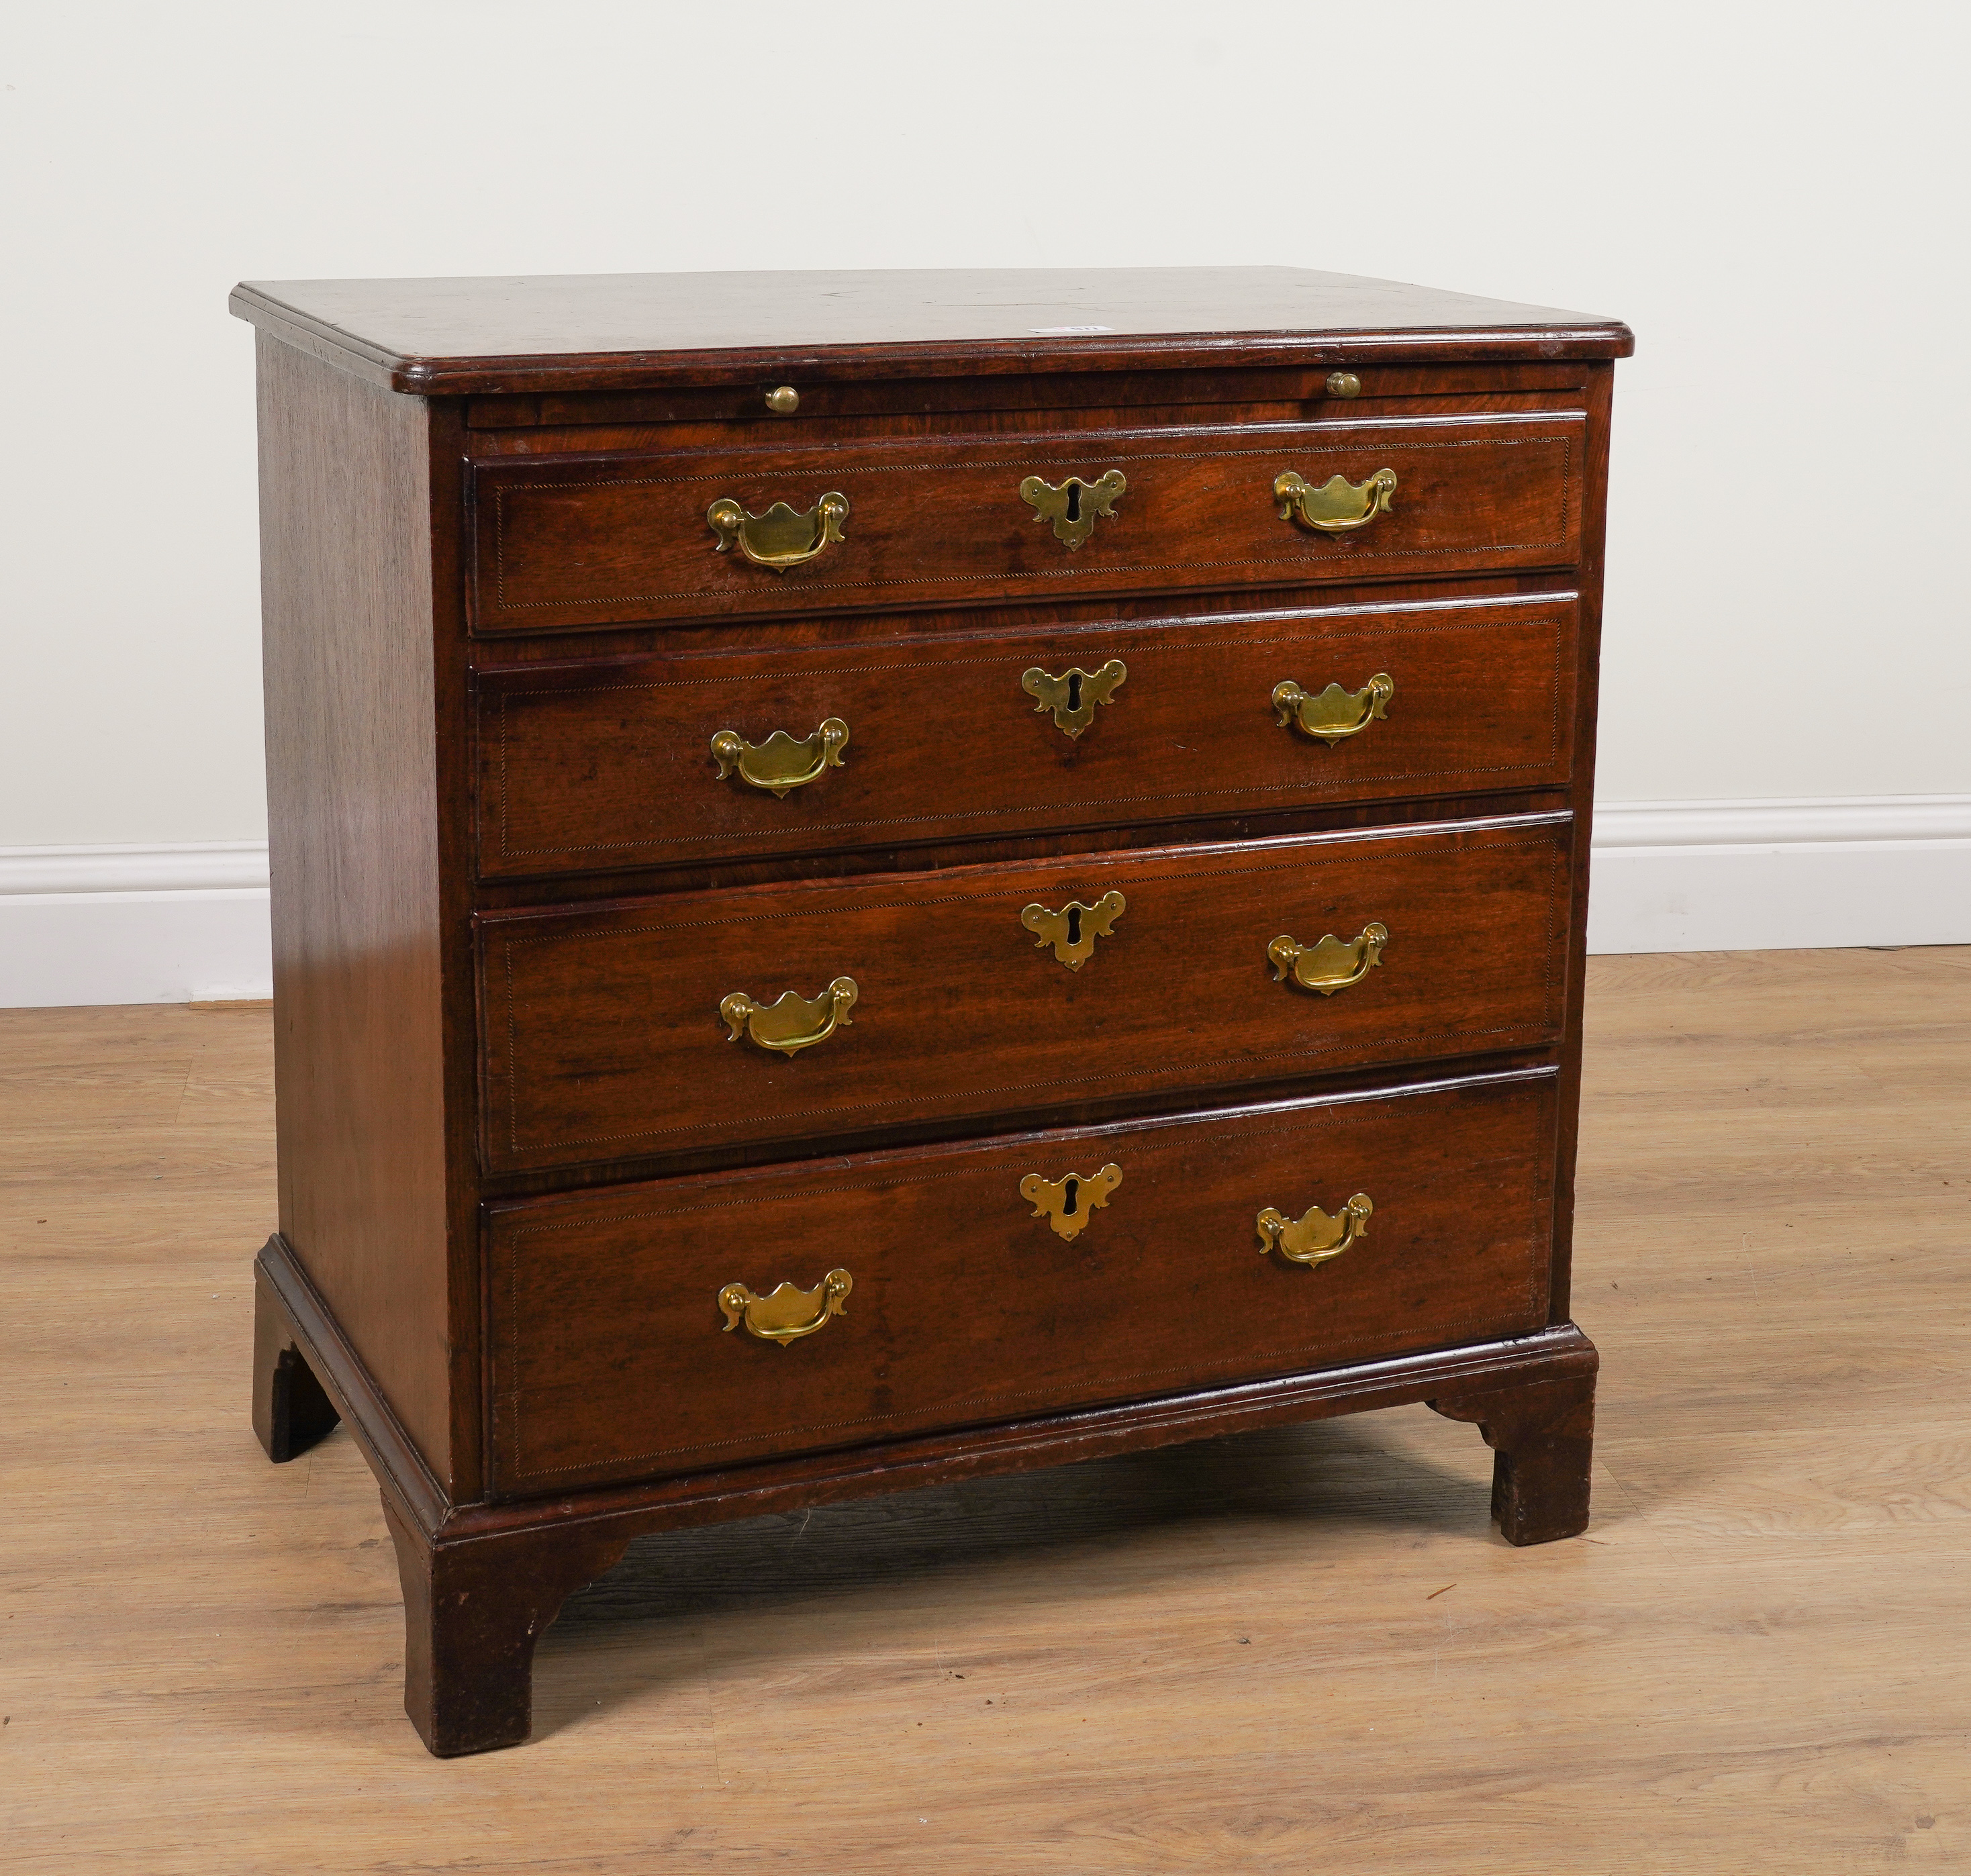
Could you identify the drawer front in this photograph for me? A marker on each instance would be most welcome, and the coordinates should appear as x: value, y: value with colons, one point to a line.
x: 612, y: 764
x: 582, y: 543
x: 612, y: 1357
x: 604, y: 1038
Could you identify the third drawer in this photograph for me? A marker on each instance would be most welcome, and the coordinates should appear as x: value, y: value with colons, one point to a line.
x: 806, y: 1011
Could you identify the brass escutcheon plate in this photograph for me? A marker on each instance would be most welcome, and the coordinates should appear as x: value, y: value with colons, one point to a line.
x: 1072, y: 696
x: 1066, y: 1202
x: 1073, y: 929
x: 1074, y: 506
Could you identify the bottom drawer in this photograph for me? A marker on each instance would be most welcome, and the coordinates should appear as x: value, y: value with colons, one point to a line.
x: 624, y: 1321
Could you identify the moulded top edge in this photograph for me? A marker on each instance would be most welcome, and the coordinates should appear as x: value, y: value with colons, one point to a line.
x: 643, y: 331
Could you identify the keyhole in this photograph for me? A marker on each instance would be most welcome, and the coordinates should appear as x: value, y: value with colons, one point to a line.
x: 1073, y: 500
x: 1074, y: 690
x: 1074, y: 924
x: 1073, y: 1193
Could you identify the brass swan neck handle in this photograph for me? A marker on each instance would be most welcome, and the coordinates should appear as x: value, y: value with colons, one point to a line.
x: 1333, y: 964
x: 1335, y: 714
x: 780, y: 538
x: 1314, y: 1237
x: 787, y: 1313
x: 782, y: 763
x: 789, y: 1024
x: 1338, y: 506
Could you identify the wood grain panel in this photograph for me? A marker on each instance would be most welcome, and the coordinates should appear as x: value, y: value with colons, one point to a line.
x: 625, y: 537
x: 610, y: 1357
x: 607, y: 764
x: 352, y: 789
x: 603, y: 1038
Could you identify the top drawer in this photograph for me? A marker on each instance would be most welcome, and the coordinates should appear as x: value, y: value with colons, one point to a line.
x: 711, y: 534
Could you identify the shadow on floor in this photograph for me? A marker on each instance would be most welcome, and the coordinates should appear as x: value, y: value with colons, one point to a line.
x: 1137, y: 1518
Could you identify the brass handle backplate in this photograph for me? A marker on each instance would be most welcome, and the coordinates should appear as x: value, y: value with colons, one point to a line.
x: 1313, y: 1237
x: 780, y: 538
x: 1072, y: 696
x: 1073, y: 929
x: 1333, y: 964
x: 1334, y: 714
x: 1066, y: 1203
x: 1075, y: 506
x: 787, y: 1314
x: 1338, y: 506
x: 789, y: 1024
x: 782, y: 763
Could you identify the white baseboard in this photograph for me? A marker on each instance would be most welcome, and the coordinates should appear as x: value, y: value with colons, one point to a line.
x: 178, y: 923
x: 1781, y: 875
x: 188, y: 923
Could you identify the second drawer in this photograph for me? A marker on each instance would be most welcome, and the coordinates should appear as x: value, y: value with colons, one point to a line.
x: 808, y: 1012
x: 614, y: 764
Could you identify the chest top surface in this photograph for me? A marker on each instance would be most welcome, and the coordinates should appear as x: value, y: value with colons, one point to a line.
x: 477, y: 335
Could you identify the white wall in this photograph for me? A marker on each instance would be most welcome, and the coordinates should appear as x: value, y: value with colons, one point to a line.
x: 1770, y: 194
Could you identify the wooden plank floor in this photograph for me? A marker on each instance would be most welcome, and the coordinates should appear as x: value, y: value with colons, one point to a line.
x: 1297, y: 1651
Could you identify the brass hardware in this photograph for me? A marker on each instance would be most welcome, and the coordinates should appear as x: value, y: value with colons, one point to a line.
x: 779, y: 538
x: 1313, y: 1237
x: 782, y: 763
x: 788, y: 1314
x: 1332, y: 965
x: 1335, y: 714
x: 1343, y: 384
x: 1065, y: 1203
x: 1338, y: 505
x: 1072, y: 696
x: 783, y: 400
x: 791, y: 1023
x: 1075, y: 506
x: 1073, y: 929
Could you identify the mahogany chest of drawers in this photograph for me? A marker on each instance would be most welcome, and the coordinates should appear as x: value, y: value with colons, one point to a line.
x: 882, y: 877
